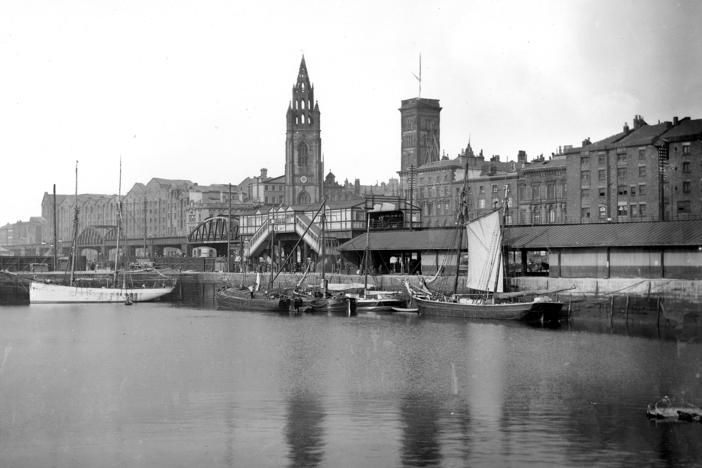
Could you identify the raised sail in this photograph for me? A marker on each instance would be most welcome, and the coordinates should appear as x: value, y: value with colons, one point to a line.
x: 485, y: 271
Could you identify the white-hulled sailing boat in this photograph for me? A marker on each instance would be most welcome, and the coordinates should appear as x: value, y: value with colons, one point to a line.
x: 40, y: 292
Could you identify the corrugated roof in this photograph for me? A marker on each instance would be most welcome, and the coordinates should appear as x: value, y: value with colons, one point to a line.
x: 654, y: 234
x: 426, y: 239
x: 669, y: 233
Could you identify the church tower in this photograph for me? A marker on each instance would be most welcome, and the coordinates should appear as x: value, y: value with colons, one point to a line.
x: 303, y: 144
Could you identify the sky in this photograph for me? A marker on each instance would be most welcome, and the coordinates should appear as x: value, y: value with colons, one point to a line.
x: 198, y: 90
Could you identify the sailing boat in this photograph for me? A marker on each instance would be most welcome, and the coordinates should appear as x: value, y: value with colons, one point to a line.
x: 51, y: 293
x: 250, y: 299
x: 375, y: 301
x: 485, y: 275
x: 323, y: 302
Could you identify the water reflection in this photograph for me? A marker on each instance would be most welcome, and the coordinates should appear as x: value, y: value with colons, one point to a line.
x: 304, y: 430
x: 164, y: 386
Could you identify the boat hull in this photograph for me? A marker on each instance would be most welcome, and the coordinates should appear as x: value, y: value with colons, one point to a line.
x: 378, y: 305
x: 242, y: 301
x: 44, y: 293
x: 337, y: 306
x: 499, y: 311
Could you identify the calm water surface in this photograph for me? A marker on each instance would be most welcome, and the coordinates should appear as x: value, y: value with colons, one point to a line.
x: 158, y: 385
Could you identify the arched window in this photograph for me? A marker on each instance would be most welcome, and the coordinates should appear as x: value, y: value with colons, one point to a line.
x: 303, y: 198
x: 303, y: 118
x: 303, y: 104
x: 302, y: 154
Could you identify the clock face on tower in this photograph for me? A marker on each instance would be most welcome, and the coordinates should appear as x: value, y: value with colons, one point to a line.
x: 303, y: 179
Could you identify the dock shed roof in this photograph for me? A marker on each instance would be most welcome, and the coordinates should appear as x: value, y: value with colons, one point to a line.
x: 542, y: 237
x: 651, y: 234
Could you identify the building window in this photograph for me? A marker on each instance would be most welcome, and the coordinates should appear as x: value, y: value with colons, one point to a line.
x: 642, y: 190
x: 522, y: 191
x: 602, y: 192
x: 642, y: 171
x: 302, y: 154
x: 584, y: 194
x: 584, y: 161
x: 536, y: 216
x: 481, y: 203
x: 642, y: 209
x: 621, y: 172
x: 550, y: 190
x: 602, y: 210
x: 622, y: 209
x: 621, y: 158
x: 642, y: 154
x: 632, y: 190
x: 632, y: 210
x: 535, y: 191
x: 551, y: 215
x: 494, y: 188
x: 684, y: 207
x: 585, y: 213
x: 481, y: 190
x: 585, y: 178
x: 622, y: 190
x: 602, y: 175
x: 523, y: 216
x: 601, y: 160
x: 686, y: 186
x: 686, y: 148
x: 686, y: 167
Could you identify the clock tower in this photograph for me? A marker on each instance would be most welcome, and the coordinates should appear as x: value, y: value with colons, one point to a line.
x: 303, y: 144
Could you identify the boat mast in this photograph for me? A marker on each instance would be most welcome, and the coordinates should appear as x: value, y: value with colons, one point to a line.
x: 119, y: 218
x: 365, y: 256
x: 271, y: 246
x: 55, y: 233
x: 229, y: 233
x: 75, y: 230
x: 323, y: 239
x: 500, y: 256
x: 461, y: 219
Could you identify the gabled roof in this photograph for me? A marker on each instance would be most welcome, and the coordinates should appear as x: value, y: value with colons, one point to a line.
x: 685, y: 130
x: 644, y: 135
x: 602, y: 144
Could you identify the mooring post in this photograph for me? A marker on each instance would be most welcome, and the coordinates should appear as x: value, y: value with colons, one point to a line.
x: 570, y: 307
x: 658, y: 310
x: 611, y: 310
x: 627, y: 309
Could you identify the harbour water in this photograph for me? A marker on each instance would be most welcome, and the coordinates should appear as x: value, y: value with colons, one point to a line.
x: 167, y: 386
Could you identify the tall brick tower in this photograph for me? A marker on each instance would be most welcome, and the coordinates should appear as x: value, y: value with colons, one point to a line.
x: 303, y: 144
x: 420, y: 132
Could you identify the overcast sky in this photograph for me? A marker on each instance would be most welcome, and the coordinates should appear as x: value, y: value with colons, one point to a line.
x: 198, y: 89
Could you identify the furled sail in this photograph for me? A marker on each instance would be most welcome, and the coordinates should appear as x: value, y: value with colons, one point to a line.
x: 485, y: 269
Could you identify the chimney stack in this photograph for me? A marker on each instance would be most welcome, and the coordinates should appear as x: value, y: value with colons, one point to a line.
x: 675, y: 120
x: 264, y: 173
x: 638, y: 122
x: 587, y: 141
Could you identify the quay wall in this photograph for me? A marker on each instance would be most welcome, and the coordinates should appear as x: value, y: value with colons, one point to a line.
x: 677, y: 289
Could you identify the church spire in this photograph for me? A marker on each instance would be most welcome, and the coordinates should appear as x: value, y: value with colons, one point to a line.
x: 302, y: 76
